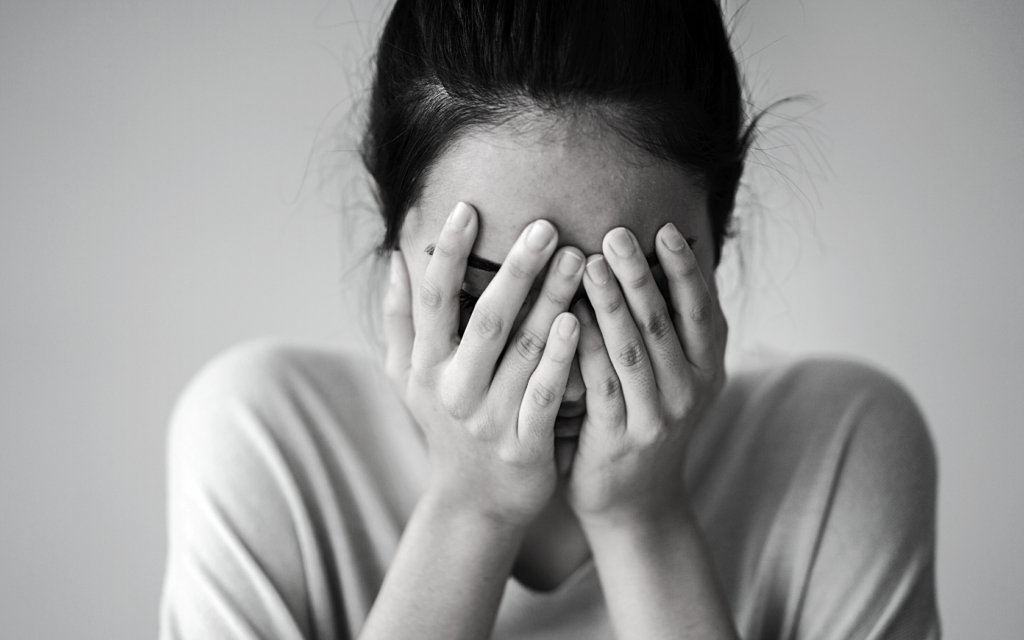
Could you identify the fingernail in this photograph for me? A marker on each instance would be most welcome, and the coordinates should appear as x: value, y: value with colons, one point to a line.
x: 566, y: 325
x: 597, y: 269
x: 582, y: 311
x: 569, y: 264
x: 620, y: 242
x: 459, y: 217
x: 672, y: 238
x: 539, y: 234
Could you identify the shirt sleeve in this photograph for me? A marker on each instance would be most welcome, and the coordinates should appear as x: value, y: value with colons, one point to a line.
x: 872, y: 573
x: 245, y: 559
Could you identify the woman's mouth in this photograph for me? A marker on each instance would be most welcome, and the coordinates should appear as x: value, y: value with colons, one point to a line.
x: 568, y: 427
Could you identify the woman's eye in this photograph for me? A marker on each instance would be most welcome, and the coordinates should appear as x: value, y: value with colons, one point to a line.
x: 467, y: 300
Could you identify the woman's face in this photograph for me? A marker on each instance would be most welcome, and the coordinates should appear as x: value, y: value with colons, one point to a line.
x: 581, y: 177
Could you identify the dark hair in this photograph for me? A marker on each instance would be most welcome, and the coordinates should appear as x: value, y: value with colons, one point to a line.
x: 660, y: 72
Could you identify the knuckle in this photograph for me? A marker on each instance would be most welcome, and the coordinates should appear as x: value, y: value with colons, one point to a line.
x: 679, y: 404
x: 658, y: 326
x: 640, y: 281
x: 430, y: 295
x: 557, y: 298
x: 487, y: 324
x: 607, y: 387
x: 479, y: 430
x: 529, y: 344
x: 456, y: 405
x: 632, y: 355
x: 560, y: 357
x: 593, y: 345
x: 518, y: 270
x: 420, y: 374
x: 689, y: 268
x: 544, y: 395
x: 650, y: 438
x: 612, y: 305
x: 621, y: 450
x: 702, y: 310
x: 488, y: 428
x: 510, y: 454
x: 445, y: 248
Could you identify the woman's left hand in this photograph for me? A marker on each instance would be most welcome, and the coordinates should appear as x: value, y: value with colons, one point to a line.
x: 651, y: 373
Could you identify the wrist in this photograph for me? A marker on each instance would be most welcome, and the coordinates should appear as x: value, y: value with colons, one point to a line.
x: 647, y: 526
x: 646, y: 509
x: 456, y: 513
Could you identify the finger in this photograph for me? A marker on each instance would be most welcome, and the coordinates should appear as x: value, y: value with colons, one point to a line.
x: 398, y: 326
x: 496, y: 310
x: 547, y: 384
x: 622, y: 339
x: 693, y: 305
x: 606, y: 407
x: 437, y: 301
x: 524, y: 351
x: 647, y: 306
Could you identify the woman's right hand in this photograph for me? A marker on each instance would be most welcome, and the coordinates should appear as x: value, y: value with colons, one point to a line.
x: 487, y: 410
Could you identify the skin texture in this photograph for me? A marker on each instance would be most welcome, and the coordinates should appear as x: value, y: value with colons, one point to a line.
x: 571, y: 211
x: 577, y: 175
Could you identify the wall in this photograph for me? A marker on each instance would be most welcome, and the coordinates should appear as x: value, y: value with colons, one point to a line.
x: 168, y: 187
x: 905, y: 250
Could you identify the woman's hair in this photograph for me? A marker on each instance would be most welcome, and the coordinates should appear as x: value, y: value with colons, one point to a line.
x: 660, y: 73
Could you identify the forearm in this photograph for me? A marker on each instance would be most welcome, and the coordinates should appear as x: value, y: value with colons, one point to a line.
x: 658, y: 580
x: 447, y: 578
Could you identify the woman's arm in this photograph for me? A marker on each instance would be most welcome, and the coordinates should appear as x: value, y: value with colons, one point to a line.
x: 447, y: 579
x: 658, y: 579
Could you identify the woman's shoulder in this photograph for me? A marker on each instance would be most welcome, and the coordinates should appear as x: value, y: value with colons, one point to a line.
x: 821, y: 393
x: 793, y: 424
x: 277, y: 380
x: 808, y: 411
x: 815, y: 479
x: 256, y: 370
x: 283, y: 458
x: 776, y: 372
x: 293, y: 401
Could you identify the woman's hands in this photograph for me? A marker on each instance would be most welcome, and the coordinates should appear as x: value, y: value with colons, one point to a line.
x: 487, y: 406
x: 651, y: 372
x: 489, y: 424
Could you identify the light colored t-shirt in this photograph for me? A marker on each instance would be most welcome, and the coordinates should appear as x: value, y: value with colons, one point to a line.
x: 292, y: 471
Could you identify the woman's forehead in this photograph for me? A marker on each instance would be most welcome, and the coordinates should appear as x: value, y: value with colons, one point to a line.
x: 585, y: 182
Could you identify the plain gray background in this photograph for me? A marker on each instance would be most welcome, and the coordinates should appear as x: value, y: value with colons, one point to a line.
x: 171, y: 181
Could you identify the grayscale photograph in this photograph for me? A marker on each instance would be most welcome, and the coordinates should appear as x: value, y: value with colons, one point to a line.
x: 511, y: 320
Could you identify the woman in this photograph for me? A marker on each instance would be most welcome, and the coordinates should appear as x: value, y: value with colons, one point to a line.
x: 554, y: 452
